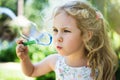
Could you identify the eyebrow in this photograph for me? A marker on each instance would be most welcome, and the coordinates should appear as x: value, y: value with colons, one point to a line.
x: 61, y: 28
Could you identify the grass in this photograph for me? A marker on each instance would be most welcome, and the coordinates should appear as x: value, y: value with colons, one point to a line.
x: 12, y: 71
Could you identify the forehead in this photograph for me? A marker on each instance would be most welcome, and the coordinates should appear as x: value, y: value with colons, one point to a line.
x: 64, y: 20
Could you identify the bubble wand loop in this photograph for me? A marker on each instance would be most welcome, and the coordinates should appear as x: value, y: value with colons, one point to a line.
x: 37, y: 40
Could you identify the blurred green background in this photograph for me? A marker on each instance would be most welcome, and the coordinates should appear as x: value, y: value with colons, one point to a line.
x: 34, y: 10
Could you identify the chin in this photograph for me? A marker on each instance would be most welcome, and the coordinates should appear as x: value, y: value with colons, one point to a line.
x: 62, y: 54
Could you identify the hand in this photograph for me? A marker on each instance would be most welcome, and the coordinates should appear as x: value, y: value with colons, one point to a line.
x: 21, y: 50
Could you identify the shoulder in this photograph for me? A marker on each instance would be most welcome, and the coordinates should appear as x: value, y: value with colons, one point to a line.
x: 52, y: 56
x: 52, y: 59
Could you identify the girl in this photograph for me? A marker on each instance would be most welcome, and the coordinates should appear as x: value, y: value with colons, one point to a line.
x: 84, y: 51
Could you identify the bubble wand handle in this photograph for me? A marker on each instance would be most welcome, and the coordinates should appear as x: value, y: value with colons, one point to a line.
x: 29, y: 42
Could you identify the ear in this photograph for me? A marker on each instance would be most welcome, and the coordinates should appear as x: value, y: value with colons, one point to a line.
x: 88, y: 35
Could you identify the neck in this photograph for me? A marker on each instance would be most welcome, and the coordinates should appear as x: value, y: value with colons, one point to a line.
x: 76, y: 60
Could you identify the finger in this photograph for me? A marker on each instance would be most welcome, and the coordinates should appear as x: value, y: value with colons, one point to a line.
x: 21, y: 48
x: 19, y: 41
x: 20, y: 55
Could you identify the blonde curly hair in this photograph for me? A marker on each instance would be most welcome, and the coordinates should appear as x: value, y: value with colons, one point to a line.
x: 101, y: 57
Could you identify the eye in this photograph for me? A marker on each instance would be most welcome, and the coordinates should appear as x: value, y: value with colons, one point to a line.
x: 55, y: 30
x: 67, y: 31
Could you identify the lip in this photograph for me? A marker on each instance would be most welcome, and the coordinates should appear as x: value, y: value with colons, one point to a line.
x: 59, y: 47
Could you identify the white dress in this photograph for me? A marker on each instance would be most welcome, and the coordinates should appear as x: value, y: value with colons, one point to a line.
x: 65, y: 72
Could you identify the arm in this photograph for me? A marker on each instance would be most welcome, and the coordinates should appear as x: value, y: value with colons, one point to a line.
x: 38, y: 69
x: 27, y: 66
x: 45, y: 66
x: 41, y: 68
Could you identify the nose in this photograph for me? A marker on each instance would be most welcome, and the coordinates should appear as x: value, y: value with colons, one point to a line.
x: 59, y: 37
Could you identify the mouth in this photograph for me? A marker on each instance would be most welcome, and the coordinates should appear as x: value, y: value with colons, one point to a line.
x: 59, y: 47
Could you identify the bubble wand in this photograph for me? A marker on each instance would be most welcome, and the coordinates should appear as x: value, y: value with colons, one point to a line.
x: 43, y: 38
x: 38, y: 40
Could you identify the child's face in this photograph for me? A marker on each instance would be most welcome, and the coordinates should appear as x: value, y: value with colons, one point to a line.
x: 66, y: 35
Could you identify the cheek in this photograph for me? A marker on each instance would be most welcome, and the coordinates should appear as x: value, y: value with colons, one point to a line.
x: 75, y: 37
x: 75, y: 41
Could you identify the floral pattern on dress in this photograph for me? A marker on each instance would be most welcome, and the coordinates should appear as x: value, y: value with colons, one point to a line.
x: 65, y: 72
